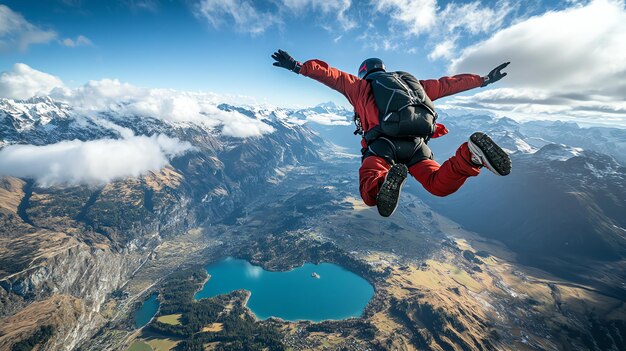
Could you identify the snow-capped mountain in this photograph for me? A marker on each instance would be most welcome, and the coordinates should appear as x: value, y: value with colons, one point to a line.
x: 561, y: 209
x: 559, y: 152
x: 611, y: 141
x: 216, y: 162
x: 528, y: 137
x: 42, y: 120
x: 220, y: 162
x: 328, y: 113
x: 35, y: 111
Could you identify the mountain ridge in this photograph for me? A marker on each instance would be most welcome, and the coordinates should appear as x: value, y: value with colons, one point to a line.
x: 288, y: 196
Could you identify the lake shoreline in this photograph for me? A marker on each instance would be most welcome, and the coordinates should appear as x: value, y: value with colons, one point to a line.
x: 290, y: 296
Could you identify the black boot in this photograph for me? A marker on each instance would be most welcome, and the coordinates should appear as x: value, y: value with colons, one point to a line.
x: 485, y: 152
x: 389, y: 194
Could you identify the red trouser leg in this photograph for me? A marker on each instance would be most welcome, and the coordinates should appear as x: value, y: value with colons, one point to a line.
x: 371, y: 176
x: 445, y: 179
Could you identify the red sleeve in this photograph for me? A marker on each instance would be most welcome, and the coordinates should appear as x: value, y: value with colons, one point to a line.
x: 343, y: 82
x: 438, y: 88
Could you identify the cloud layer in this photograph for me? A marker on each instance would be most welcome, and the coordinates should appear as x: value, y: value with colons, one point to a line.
x: 80, y: 40
x: 439, y: 27
x: 90, y: 162
x: 23, y: 82
x: 570, y: 62
x: 16, y: 33
x: 100, y: 161
x: 123, y: 99
x: 165, y: 104
x: 248, y: 16
x: 245, y: 16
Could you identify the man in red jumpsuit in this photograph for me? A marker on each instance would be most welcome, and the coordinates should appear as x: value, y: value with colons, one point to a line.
x: 386, y: 160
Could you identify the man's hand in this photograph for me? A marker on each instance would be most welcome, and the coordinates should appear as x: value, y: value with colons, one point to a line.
x: 284, y: 60
x: 495, y: 74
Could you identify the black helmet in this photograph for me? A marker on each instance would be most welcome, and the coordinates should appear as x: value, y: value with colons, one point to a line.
x: 371, y: 65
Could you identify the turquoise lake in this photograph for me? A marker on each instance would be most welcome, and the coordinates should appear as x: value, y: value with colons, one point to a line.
x: 147, y: 310
x: 292, y: 295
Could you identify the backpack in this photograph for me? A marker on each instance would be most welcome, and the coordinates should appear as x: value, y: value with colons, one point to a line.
x: 404, y: 108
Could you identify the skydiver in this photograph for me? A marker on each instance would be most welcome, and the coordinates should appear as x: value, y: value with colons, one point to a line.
x: 395, y: 115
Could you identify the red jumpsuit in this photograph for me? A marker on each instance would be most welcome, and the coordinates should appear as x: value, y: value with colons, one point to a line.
x: 439, y: 180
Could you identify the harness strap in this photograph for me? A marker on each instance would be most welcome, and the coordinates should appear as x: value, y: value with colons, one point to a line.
x: 357, y: 123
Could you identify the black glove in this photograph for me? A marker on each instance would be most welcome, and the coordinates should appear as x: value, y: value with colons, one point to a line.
x: 495, y: 75
x: 285, y: 61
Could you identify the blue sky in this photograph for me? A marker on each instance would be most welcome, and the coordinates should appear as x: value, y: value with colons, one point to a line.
x: 225, y: 46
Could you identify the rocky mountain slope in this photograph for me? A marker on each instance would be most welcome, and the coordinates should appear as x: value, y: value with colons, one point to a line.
x: 76, y: 259
x: 562, y: 207
x: 72, y: 246
x: 437, y: 286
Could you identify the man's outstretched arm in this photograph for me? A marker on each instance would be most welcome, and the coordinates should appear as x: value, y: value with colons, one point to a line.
x: 438, y: 88
x: 445, y: 86
x: 343, y: 82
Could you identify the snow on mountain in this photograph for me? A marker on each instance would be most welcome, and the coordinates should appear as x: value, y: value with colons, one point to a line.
x: 44, y: 120
x: 504, y: 131
x: 611, y: 141
x: 34, y: 111
x: 528, y: 137
x: 469, y: 122
x: 512, y: 143
x: 559, y: 152
x: 220, y: 132
x: 562, y: 159
x: 327, y: 113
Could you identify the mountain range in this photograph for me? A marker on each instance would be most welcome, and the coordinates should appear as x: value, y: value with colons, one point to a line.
x: 77, y: 252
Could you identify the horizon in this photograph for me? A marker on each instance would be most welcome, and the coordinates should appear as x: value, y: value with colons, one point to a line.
x: 217, y: 46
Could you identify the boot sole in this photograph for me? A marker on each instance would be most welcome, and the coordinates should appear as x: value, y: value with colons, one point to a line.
x: 496, y: 159
x: 389, y: 194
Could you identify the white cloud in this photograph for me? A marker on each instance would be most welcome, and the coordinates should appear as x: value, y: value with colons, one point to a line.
x: 574, y: 47
x: 81, y: 40
x: 571, y: 62
x: 127, y: 99
x: 338, y: 7
x: 248, y: 17
x: 328, y: 119
x: 242, y: 12
x: 172, y: 106
x: 384, y: 44
x: 167, y: 105
x: 164, y: 104
x: 237, y: 125
x: 98, y: 95
x: 473, y: 17
x: 437, y: 27
x: 124, y: 99
x: 16, y: 33
x: 417, y: 16
x: 444, y: 49
x: 101, y: 161
x: 90, y: 162
x: 23, y: 82
x: 527, y: 103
